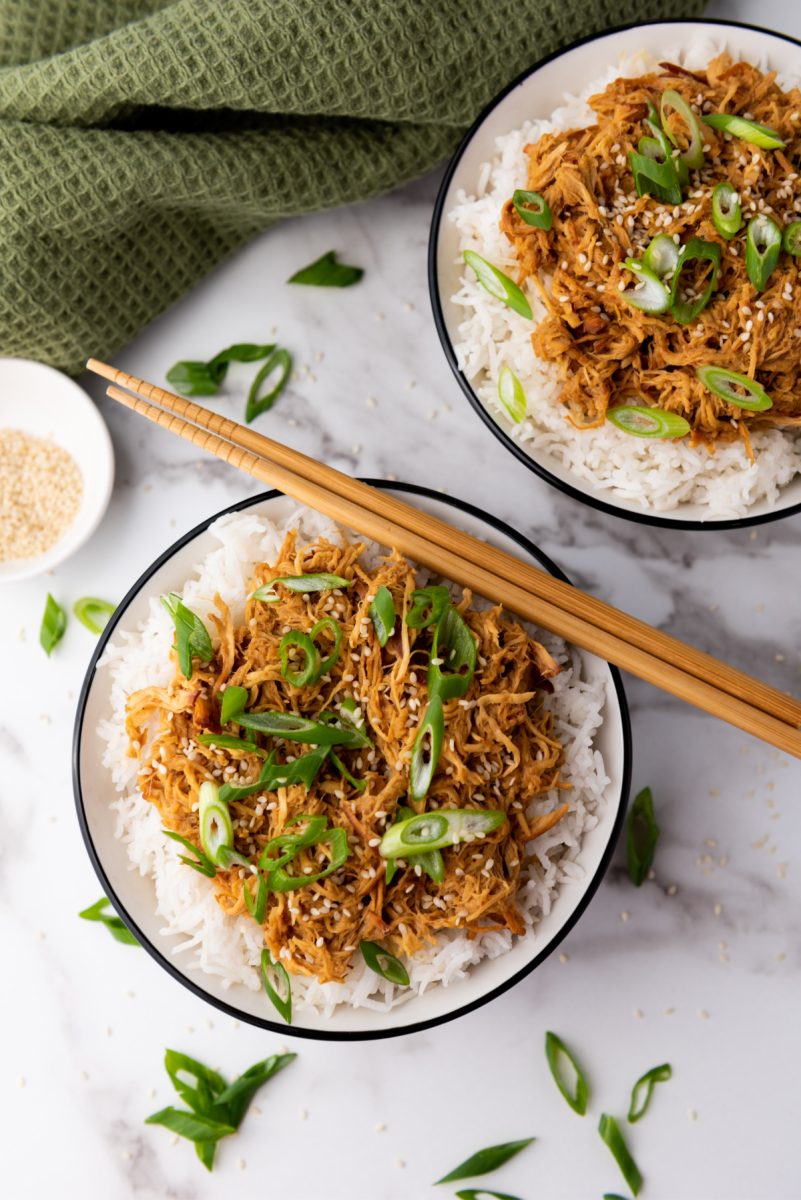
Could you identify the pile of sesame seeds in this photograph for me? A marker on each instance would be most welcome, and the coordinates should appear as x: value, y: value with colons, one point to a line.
x: 40, y: 494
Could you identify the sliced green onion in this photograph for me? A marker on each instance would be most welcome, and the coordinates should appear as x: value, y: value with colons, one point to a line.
x: 643, y: 421
x: 54, y: 622
x: 485, y: 1161
x: 745, y: 130
x: 437, y: 829
x: 280, y: 360
x: 114, y: 924
x: 613, y: 1196
x: 791, y: 241
x: 511, y: 394
x: 273, y: 775
x: 206, y: 378
x: 727, y: 211
x: 730, y: 386
x: 610, y: 1132
x: 289, y: 844
x: 216, y: 827
x: 276, y: 970
x: 310, y: 671
x: 300, y: 583
x: 482, y: 1193
x: 234, y: 699
x: 196, y: 1084
x: 454, y: 648
x: 359, y: 784
x: 532, y: 208
x: 643, y: 1089
x: 238, y: 1095
x: 280, y: 880
x: 195, y: 1126
x: 427, y: 749
x: 256, y: 907
x: 335, y: 629
x: 382, y: 614
x: 497, y: 284
x: 227, y: 741
x: 191, y: 636
x: 89, y: 608
x: 653, y: 178
x: 696, y: 250
x: 556, y: 1052
x: 660, y: 149
x: 649, y: 294
x: 428, y: 605
x: 303, y: 729
x: 642, y: 834
x: 693, y: 156
x: 202, y: 863
x: 384, y: 964
x: 763, y: 242
x: 432, y: 862
x: 661, y: 255
x: 327, y: 272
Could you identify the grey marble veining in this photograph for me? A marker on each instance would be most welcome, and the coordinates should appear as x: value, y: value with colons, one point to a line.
x: 700, y: 967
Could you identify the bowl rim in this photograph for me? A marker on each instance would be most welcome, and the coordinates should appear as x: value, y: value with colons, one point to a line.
x: 322, y: 1034
x: 63, y: 549
x: 562, y: 485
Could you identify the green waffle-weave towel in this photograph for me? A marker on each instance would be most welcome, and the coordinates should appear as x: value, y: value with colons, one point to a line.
x: 142, y: 141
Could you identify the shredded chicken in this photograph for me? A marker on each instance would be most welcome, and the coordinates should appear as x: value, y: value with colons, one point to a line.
x: 499, y: 752
x: 609, y: 352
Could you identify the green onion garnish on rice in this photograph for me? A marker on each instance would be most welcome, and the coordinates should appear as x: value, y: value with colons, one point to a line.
x: 649, y: 294
x: 643, y: 1090
x: 791, y: 242
x: 693, y: 154
x: 646, y: 422
x: 437, y: 829
x: 277, y: 984
x: 562, y: 1063
x: 734, y: 388
x: 696, y: 250
x: 485, y: 1161
x: 498, y: 284
x: 661, y: 255
x: 201, y: 862
x: 642, y: 834
x: 610, y: 1132
x: 233, y: 701
x: 384, y: 964
x: 763, y: 243
x: 426, y: 749
x: 382, y: 614
x: 511, y: 394
x: 532, y: 208
x: 191, y: 636
x: 727, y: 211
x: 216, y: 826
x: 300, y: 583
x: 746, y: 130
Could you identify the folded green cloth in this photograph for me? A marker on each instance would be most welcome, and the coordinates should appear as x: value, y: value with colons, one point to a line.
x: 142, y: 141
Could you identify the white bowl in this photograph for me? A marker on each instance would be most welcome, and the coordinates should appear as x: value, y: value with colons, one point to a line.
x: 536, y: 94
x: 41, y: 401
x: 134, y: 896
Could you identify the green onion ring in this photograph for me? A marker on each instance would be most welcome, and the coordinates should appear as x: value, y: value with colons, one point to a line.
x: 532, y: 208
x: 485, y: 1161
x: 453, y: 647
x: 258, y: 907
x: 763, y: 243
x: 280, y: 880
x: 302, y: 584
x: 727, y: 211
x: 280, y: 360
x: 311, y: 670
x: 747, y: 131
x: 281, y: 1003
x: 685, y: 311
x: 427, y: 749
x: 384, y: 964
x: 382, y: 614
x: 511, y: 394
x: 498, y: 284
x: 88, y: 607
x: 722, y: 382
x: 610, y: 1132
x: 646, y: 1083
x: 438, y: 829
x: 216, y: 827
x: 555, y: 1052
x: 654, y: 178
x: 693, y: 156
x: 303, y: 729
x: 661, y: 255
x: 791, y: 241
x: 650, y: 294
x: 643, y: 421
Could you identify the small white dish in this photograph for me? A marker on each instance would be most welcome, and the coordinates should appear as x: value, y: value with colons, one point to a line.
x: 38, y: 400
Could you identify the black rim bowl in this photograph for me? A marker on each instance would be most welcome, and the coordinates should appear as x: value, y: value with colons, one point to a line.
x: 165, y: 962
x: 665, y: 522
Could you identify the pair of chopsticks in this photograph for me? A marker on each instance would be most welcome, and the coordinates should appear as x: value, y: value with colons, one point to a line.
x: 656, y: 657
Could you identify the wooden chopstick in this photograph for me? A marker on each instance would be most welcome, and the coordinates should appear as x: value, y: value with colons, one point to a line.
x: 445, y: 562
x: 596, y: 612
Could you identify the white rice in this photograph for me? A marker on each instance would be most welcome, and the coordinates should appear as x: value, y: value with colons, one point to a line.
x: 660, y: 475
x: 230, y: 947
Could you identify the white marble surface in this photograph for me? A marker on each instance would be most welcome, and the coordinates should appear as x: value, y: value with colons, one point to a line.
x: 700, y: 968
